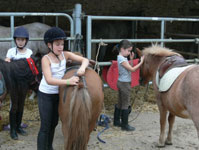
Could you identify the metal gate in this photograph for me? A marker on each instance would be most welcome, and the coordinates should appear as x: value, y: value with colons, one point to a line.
x: 162, y: 39
x: 12, y: 15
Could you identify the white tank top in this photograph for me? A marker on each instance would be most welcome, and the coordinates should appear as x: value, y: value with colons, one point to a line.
x: 57, y: 71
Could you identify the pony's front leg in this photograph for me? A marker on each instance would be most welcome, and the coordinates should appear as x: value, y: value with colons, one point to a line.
x: 171, y: 120
x: 163, y: 115
x: 195, y: 118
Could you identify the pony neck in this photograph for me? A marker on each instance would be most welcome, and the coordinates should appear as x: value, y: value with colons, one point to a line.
x: 157, y: 60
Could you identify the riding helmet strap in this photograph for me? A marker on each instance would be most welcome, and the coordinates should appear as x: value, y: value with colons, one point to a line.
x: 32, y: 66
x: 16, y: 51
x: 55, y: 55
x: 20, y: 47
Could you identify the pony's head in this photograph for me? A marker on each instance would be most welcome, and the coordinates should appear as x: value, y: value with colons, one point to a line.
x: 153, y: 56
x: 144, y: 69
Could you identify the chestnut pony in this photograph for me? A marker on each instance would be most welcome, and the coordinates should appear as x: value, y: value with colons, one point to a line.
x: 182, y: 99
x: 79, y: 108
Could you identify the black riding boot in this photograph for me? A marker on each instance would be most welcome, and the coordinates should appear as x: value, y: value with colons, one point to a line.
x: 13, y: 126
x: 19, y: 128
x: 117, y: 114
x: 125, y: 126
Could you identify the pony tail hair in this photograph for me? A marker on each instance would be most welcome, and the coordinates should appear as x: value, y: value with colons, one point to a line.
x: 79, y: 118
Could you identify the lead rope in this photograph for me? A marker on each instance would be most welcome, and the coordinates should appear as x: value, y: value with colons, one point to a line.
x: 103, y: 119
x: 97, y: 65
x: 144, y: 100
x: 96, y: 62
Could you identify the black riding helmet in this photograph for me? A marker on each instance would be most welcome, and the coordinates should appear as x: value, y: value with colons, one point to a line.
x: 54, y: 33
x: 21, y: 32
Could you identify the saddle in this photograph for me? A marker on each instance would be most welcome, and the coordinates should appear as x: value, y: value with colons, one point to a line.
x: 171, y: 62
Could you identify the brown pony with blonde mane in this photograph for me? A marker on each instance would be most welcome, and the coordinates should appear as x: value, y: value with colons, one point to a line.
x: 79, y: 108
x: 182, y: 99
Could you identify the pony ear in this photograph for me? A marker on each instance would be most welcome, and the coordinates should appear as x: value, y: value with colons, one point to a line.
x: 139, y: 52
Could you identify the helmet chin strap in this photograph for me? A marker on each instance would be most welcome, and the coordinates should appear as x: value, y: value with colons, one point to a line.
x: 55, y: 54
x: 20, y: 47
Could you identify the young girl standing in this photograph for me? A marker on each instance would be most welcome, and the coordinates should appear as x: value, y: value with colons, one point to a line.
x: 21, y: 37
x: 124, y: 85
x: 53, y: 68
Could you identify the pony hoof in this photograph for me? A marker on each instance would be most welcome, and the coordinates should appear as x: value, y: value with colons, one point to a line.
x: 168, y: 143
x: 160, y: 145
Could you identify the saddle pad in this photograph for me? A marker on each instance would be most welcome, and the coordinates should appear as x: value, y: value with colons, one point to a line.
x: 112, y: 75
x: 168, y: 78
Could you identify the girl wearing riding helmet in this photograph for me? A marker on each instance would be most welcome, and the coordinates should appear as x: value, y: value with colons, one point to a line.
x: 53, y: 68
x: 21, y: 38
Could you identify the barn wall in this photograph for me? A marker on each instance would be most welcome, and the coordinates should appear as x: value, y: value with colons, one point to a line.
x: 173, y: 8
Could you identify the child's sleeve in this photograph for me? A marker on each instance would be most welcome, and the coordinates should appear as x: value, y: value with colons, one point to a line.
x: 9, y: 54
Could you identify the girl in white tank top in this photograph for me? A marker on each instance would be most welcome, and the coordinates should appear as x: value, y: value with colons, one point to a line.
x: 53, y: 68
x: 57, y: 70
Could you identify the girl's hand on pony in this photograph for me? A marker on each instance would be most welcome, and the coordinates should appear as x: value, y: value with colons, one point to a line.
x: 73, y: 80
x: 142, y: 59
x: 80, y: 72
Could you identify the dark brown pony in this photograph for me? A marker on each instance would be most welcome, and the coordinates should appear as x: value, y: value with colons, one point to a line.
x: 19, y: 78
x: 182, y: 99
x: 79, y: 108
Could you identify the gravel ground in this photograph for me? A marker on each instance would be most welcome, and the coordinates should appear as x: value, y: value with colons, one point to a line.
x: 144, y: 138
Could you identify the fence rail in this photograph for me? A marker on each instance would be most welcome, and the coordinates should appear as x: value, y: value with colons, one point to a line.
x: 163, y: 21
x: 22, y: 14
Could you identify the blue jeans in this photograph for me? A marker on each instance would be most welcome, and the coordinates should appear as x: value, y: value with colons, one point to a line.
x: 48, y: 110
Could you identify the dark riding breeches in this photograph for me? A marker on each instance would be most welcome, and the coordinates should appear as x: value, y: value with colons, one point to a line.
x: 48, y: 109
